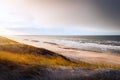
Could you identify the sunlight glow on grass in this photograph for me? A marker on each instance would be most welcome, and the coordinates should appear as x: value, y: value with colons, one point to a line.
x: 30, y: 59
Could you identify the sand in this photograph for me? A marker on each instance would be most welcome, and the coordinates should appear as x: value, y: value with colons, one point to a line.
x: 71, y: 53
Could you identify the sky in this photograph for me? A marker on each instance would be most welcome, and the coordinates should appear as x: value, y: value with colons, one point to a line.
x: 59, y: 17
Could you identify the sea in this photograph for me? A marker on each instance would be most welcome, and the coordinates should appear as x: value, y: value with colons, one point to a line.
x: 107, y: 44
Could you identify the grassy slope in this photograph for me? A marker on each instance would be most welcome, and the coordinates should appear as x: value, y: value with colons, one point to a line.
x: 22, y: 54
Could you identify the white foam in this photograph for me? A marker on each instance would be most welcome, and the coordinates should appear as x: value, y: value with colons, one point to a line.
x: 80, y: 43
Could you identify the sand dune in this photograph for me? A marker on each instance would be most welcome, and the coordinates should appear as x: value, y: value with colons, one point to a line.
x: 71, y: 53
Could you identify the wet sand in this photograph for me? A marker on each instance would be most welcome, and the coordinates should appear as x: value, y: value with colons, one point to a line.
x: 71, y: 53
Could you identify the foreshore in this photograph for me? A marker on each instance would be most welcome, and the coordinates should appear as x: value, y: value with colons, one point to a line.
x: 71, y: 53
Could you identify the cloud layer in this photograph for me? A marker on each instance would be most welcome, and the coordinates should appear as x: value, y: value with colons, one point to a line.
x: 95, y: 16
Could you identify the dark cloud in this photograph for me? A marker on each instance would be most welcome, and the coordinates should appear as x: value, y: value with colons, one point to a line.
x: 111, y: 9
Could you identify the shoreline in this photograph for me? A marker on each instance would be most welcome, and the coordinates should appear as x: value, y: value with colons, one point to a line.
x: 71, y: 53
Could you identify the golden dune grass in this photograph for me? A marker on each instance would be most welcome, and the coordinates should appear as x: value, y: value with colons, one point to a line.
x: 30, y: 59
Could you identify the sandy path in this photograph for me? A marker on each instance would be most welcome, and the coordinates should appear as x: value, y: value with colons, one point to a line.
x: 74, y: 54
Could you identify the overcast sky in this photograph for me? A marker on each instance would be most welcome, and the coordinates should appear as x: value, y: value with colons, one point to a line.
x: 60, y: 17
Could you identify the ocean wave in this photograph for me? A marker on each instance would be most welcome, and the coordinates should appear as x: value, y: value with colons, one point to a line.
x: 109, y: 46
x: 99, y: 46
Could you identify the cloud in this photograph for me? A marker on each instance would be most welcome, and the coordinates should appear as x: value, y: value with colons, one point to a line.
x: 87, y: 15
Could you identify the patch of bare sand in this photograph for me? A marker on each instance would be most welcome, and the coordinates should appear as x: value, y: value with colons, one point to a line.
x: 71, y: 53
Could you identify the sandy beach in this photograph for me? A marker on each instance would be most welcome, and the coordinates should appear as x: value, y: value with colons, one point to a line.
x: 71, y: 53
